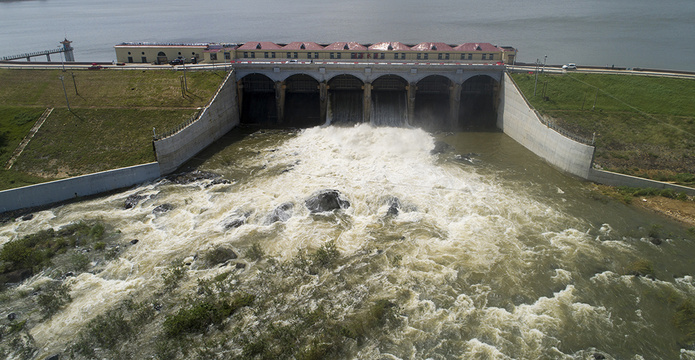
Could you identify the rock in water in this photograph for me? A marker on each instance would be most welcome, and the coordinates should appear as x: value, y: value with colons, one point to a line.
x: 132, y: 200
x: 281, y: 213
x: 440, y: 147
x: 326, y: 200
x: 161, y: 209
x: 394, y: 206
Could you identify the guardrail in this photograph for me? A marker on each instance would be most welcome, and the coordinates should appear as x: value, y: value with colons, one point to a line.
x: 179, y: 127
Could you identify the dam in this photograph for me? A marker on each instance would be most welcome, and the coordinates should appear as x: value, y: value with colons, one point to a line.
x: 434, y: 97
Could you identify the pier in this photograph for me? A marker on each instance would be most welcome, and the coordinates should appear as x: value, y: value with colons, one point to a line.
x: 66, y: 49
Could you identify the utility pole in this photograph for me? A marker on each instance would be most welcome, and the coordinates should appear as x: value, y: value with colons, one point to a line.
x: 65, y: 92
x: 535, y: 85
x: 544, y: 60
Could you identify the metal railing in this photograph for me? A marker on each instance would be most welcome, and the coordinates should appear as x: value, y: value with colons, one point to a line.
x: 178, y: 127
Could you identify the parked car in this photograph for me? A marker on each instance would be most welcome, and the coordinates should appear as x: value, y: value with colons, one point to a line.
x: 95, y: 66
x: 177, y: 61
x: 570, y: 66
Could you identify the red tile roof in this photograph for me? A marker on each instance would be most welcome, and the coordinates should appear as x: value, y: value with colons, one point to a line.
x: 430, y: 46
x: 264, y: 45
x: 296, y: 45
x: 350, y: 46
x: 390, y: 46
x: 477, y: 47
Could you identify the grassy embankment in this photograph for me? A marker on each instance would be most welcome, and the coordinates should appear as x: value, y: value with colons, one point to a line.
x: 109, y: 125
x: 644, y: 126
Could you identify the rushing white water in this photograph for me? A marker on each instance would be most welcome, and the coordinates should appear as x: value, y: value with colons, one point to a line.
x: 478, y: 263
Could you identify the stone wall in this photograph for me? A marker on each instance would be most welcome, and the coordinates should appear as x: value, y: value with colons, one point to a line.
x: 220, y: 116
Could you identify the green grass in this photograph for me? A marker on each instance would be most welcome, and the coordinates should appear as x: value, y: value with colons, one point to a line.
x: 109, y: 125
x: 643, y: 126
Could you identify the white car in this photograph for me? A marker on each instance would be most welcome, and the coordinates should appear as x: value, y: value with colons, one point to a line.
x: 570, y: 66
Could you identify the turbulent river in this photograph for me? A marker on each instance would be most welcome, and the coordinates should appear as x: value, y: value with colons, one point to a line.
x: 478, y: 251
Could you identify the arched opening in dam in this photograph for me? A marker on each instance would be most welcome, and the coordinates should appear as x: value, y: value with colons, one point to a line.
x: 432, y: 103
x: 345, y: 100
x: 389, y: 106
x: 258, y: 101
x: 478, y: 105
x: 302, y: 101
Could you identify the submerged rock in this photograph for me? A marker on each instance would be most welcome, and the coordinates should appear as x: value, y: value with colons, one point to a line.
x: 161, y: 209
x: 440, y: 147
x: 219, y: 255
x: 193, y: 176
x: 394, y: 206
x: 27, y: 217
x: 132, y: 200
x: 326, y: 200
x: 16, y: 276
x: 281, y: 213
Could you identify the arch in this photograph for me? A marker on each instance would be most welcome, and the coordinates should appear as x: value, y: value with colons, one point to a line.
x: 345, y: 100
x: 345, y: 82
x: 302, y: 83
x: 432, y: 103
x: 302, y: 102
x: 389, y: 83
x: 257, y: 99
x: 436, y: 84
x: 478, y: 103
x: 256, y: 82
x: 161, y: 53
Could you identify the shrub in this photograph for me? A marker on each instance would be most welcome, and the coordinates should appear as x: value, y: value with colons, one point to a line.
x: 53, y: 298
x: 199, y: 316
x: 326, y: 254
x: 641, y: 267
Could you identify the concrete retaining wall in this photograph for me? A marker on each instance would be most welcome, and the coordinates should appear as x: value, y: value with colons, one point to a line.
x: 220, y: 116
x: 519, y: 121
x: 85, y: 185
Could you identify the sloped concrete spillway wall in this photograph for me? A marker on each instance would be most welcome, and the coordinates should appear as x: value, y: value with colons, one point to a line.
x: 218, y: 118
x: 516, y: 118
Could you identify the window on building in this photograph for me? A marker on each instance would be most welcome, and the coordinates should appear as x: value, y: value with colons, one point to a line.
x: 128, y: 52
x: 253, y: 54
x: 426, y: 56
x: 308, y: 55
x: 383, y: 55
x: 446, y: 56
x: 353, y: 55
x: 470, y: 56
x: 246, y: 54
x: 227, y: 56
x: 338, y: 56
x: 395, y: 56
x: 144, y: 59
x: 463, y: 56
x: 296, y: 55
x: 440, y: 56
x: 491, y: 57
x: 289, y: 55
x: 266, y: 55
x: 179, y: 53
x: 419, y: 56
x: 130, y: 59
x: 272, y: 54
x: 332, y: 55
x: 484, y: 56
x: 316, y: 55
x: 213, y: 57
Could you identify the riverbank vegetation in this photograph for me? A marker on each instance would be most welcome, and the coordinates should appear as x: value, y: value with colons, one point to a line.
x: 109, y: 122
x: 642, y: 126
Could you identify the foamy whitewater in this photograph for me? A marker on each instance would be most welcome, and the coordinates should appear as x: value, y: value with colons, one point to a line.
x: 478, y: 261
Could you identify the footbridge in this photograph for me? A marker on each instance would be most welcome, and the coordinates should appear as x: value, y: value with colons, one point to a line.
x: 434, y: 96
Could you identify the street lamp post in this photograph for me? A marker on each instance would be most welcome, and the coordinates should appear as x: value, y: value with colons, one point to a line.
x: 544, y: 60
x: 535, y: 85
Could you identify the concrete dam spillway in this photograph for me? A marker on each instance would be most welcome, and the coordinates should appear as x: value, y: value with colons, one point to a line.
x: 303, y: 95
